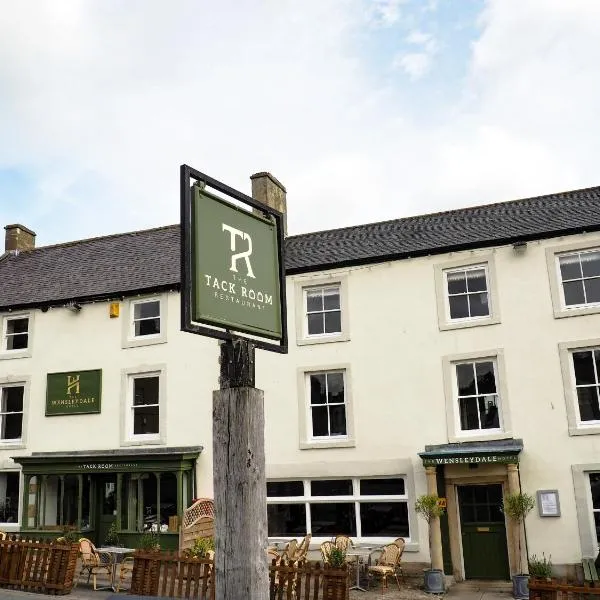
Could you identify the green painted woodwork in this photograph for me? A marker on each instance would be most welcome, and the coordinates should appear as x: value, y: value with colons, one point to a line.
x: 483, y: 531
x: 441, y: 492
x: 235, y: 261
x: 73, y: 393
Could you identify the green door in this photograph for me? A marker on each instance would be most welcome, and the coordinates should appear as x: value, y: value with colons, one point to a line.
x: 106, y: 487
x: 483, y: 529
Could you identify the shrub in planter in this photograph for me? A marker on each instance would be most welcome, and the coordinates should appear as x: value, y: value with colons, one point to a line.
x: 336, y: 576
x: 428, y: 507
x: 150, y: 542
x: 201, y: 547
x: 540, y: 567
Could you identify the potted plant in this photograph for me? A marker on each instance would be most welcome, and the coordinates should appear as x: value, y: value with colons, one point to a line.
x: 516, y: 507
x: 201, y: 547
x: 336, y: 576
x: 540, y: 568
x: 112, y: 535
x: 429, y: 508
x: 150, y: 541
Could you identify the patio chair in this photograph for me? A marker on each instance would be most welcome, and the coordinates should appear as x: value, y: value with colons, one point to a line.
x: 94, y: 562
x: 386, y: 566
x: 326, y: 548
x: 290, y: 550
x: 126, y: 569
x: 303, y: 547
x: 400, y: 542
x: 345, y: 543
x: 3, y: 535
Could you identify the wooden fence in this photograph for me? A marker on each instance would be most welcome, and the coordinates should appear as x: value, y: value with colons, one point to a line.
x: 560, y: 589
x: 37, y: 566
x: 175, y: 576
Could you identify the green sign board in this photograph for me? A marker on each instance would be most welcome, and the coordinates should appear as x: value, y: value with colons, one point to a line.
x: 479, y: 459
x: 73, y: 393
x: 235, y: 262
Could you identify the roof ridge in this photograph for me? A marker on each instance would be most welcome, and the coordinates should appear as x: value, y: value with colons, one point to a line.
x: 444, y: 212
x: 101, y: 237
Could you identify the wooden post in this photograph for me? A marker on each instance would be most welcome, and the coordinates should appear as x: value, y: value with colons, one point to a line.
x: 241, y: 570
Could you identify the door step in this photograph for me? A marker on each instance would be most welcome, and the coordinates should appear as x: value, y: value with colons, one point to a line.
x: 484, y: 585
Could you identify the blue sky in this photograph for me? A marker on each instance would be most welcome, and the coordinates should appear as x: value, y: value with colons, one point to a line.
x: 365, y: 109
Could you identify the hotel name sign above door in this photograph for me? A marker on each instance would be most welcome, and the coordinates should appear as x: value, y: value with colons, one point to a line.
x: 73, y: 393
x: 460, y: 460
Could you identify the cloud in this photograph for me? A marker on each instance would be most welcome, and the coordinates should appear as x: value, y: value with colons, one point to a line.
x: 102, y: 101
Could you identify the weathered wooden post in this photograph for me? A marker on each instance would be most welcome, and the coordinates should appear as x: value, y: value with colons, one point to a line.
x: 233, y: 281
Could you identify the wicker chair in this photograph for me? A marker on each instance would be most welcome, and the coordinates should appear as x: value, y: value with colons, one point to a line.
x: 303, y: 547
x: 386, y: 565
x: 326, y: 548
x: 126, y: 569
x: 94, y: 562
x: 290, y: 550
x: 400, y: 542
x: 3, y: 535
x: 343, y: 542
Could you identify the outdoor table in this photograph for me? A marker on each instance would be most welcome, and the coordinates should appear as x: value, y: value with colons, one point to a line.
x: 360, y: 552
x: 118, y: 554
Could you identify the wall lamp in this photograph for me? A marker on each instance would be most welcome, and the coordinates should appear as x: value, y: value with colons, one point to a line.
x: 74, y: 306
x: 520, y: 247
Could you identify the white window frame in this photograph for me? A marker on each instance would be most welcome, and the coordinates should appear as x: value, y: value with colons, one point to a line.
x: 322, y: 289
x: 553, y: 253
x: 455, y: 433
x: 585, y: 507
x: 468, y: 263
x: 129, y: 339
x: 133, y: 322
x: 303, y: 284
x: 15, y: 441
x: 355, y: 498
x: 480, y: 267
x: 128, y: 377
x: 19, y: 352
x: 307, y: 440
x: 565, y: 351
x: 15, y: 525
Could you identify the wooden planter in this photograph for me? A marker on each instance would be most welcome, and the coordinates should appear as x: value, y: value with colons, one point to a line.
x: 336, y: 583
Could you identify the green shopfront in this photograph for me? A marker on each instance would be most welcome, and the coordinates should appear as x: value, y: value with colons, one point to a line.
x: 134, y: 491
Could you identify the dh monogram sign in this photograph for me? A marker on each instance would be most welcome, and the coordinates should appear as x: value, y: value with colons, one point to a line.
x: 73, y: 393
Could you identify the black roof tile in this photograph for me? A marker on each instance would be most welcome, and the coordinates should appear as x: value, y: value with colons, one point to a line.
x: 148, y: 260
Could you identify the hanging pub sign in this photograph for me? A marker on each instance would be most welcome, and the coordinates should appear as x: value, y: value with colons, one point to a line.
x: 73, y: 392
x: 232, y: 264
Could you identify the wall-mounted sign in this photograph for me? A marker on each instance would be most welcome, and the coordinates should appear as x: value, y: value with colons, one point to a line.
x: 459, y: 460
x: 232, y: 264
x: 73, y: 392
x: 442, y: 502
x: 548, y: 503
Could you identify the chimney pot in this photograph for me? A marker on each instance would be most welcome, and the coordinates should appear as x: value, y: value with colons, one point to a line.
x: 18, y: 237
x: 268, y: 190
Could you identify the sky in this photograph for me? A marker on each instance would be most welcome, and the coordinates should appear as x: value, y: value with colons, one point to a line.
x: 366, y: 110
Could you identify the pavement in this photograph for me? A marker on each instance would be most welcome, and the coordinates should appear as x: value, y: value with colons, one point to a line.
x: 471, y: 590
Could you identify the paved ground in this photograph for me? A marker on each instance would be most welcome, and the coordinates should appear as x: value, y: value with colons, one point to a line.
x: 409, y: 591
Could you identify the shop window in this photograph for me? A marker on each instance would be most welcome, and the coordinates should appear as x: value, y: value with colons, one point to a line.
x: 16, y: 333
x: 370, y: 509
x: 9, y: 497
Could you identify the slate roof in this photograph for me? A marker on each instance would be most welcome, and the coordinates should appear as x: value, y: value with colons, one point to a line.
x: 143, y: 261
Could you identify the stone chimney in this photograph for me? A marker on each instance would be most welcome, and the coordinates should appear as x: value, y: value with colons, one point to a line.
x: 269, y: 191
x: 18, y: 237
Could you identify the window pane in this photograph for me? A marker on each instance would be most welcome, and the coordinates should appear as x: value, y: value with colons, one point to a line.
x: 333, y: 519
x: 331, y: 299
x: 317, y: 389
x: 284, y: 488
x: 331, y: 487
x: 457, y: 282
x: 573, y: 293
x: 145, y: 310
x: 335, y: 383
x: 147, y: 327
x: 570, y: 267
x: 320, y: 425
x: 584, y: 368
x: 17, y: 325
x: 12, y: 425
x: 382, y: 487
x: 314, y: 301
x: 145, y: 390
x: 482, y: 514
x: 478, y: 305
x: 476, y: 281
x: 488, y: 412
x: 286, y: 520
x: 384, y: 519
x: 486, y: 381
x: 590, y: 264
x: 333, y: 322
x: 588, y: 403
x: 468, y: 413
x: 592, y: 290
x: 12, y: 399
x: 145, y: 420
x: 466, y: 379
x: 459, y: 307
x: 9, y: 497
x: 18, y: 341
x: 597, y: 524
x: 467, y: 513
x: 337, y: 416
x: 315, y: 324
x: 595, y: 485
